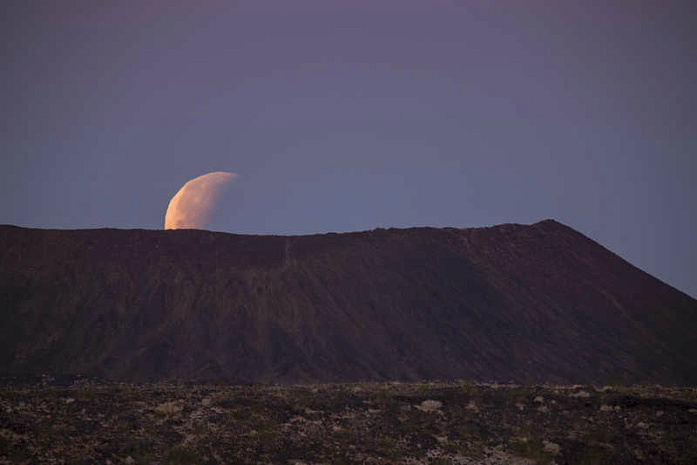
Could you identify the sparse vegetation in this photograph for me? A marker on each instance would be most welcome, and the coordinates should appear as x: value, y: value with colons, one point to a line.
x: 182, y: 455
x: 430, y: 423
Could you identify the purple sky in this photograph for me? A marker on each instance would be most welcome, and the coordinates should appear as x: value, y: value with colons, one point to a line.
x: 358, y: 115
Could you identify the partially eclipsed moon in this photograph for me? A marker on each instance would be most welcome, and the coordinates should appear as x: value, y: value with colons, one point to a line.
x: 193, y: 205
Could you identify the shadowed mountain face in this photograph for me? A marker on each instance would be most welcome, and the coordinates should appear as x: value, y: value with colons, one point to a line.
x: 539, y: 303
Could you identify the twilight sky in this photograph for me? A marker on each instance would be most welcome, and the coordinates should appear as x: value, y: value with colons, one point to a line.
x: 344, y: 116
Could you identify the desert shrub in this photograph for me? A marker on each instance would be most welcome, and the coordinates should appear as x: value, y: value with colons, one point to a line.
x: 424, y: 387
x: 383, y: 396
x: 268, y: 433
x: 15, y: 453
x: 5, y: 445
x: 440, y: 461
x: 302, y: 399
x: 531, y: 449
x: 342, y: 461
x: 615, y: 382
x: 387, y: 447
x: 517, y: 394
x: 591, y: 455
x: 182, y: 455
x: 139, y: 450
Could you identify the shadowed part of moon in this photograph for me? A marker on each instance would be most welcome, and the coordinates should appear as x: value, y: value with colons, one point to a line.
x: 193, y: 205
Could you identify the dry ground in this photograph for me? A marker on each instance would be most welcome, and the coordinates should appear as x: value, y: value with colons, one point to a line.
x: 439, y: 423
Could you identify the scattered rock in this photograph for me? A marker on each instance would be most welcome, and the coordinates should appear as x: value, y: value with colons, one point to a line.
x: 169, y: 408
x: 551, y: 447
x: 472, y: 406
x: 259, y: 424
x: 430, y: 405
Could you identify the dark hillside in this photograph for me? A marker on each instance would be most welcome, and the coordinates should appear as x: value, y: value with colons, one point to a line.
x: 538, y: 303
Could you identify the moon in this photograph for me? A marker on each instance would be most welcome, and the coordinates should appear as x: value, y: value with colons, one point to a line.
x: 192, y: 206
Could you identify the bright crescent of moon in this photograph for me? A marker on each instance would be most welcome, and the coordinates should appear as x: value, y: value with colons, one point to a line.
x: 192, y: 206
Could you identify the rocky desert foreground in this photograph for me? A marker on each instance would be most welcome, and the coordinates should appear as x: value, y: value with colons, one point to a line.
x: 376, y: 423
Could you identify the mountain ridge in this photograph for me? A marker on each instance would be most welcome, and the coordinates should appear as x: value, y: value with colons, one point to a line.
x: 510, y: 302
